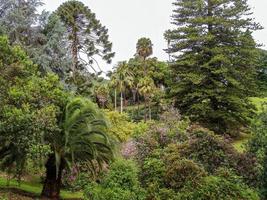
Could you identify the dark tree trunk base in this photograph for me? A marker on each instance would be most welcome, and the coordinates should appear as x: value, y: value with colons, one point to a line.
x: 52, y: 184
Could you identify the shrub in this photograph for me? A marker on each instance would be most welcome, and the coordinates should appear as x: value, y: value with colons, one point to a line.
x: 121, y: 128
x: 217, y: 188
x: 120, y: 183
x: 153, y: 171
x: 181, y: 172
x: 171, y: 129
x: 208, y: 149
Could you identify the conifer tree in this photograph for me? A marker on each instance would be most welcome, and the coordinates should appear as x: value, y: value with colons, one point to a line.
x: 86, y: 35
x: 214, y: 68
x: 19, y: 20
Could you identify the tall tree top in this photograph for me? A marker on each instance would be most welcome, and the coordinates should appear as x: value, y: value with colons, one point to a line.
x: 144, y: 47
x: 87, y: 35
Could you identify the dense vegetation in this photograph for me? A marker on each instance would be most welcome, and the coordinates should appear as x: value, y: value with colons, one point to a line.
x: 192, y: 128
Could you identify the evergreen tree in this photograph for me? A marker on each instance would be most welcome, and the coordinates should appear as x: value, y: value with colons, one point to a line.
x: 42, y: 36
x: 19, y: 20
x: 214, y: 68
x: 53, y: 55
x: 262, y: 72
x: 86, y: 35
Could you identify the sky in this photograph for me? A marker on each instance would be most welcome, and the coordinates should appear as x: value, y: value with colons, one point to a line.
x: 129, y: 20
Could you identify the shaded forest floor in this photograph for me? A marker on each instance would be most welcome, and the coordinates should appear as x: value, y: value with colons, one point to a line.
x: 29, y: 190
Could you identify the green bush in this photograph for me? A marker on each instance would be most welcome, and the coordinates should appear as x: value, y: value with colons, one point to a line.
x: 181, y: 172
x: 217, y: 188
x: 208, y: 149
x: 120, y: 183
x: 122, y: 128
x: 153, y: 171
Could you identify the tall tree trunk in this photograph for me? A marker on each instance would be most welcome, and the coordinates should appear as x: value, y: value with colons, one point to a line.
x: 124, y: 98
x: 115, y: 99
x: 210, y: 14
x: 138, y: 101
x: 149, y: 110
x: 52, y: 184
x: 74, y: 51
x: 145, y: 116
x: 121, y: 102
x: 134, y: 91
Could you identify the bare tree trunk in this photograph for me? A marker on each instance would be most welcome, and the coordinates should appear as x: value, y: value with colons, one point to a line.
x: 145, y: 116
x: 149, y: 108
x: 210, y: 14
x: 121, y: 102
x: 134, y: 92
x: 74, y: 51
x: 115, y: 99
x: 138, y: 103
x: 52, y: 184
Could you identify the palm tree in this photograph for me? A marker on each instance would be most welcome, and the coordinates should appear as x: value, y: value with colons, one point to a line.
x: 144, y: 49
x: 114, y: 83
x: 82, y: 138
x: 102, y: 94
x: 146, y: 87
x: 124, y: 78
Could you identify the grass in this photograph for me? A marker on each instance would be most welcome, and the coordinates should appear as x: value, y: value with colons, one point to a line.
x: 260, y: 104
x: 35, y: 189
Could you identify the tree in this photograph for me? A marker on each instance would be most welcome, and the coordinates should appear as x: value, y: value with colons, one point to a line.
x: 144, y: 49
x: 102, y: 95
x: 123, y: 77
x: 17, y: 20
x: 262, y: 72
x: 214, y: 68
x: 28, y: 107
x: 53, y: 55
x: 146, y: 88
x: 42, y: 36
x: 87, y: 36
x: 114, y: 84
x: 82, y: 138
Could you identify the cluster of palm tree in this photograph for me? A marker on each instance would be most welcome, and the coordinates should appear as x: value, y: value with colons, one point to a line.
x: 124, y: 77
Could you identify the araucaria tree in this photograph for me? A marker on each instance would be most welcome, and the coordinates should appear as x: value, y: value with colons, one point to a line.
x: 214, y: 66
x: 87, y: 36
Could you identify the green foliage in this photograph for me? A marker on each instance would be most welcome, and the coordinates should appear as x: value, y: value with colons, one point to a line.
x: 154, y: 170
x: 262, y: 72
x: 257, y: 146
x: 17, y: 20
x: 183, y: 171
x: 121, y: 128
x: 83, y: 136
x: 214, y: 64
x: 144, y: 48
x: 121, y: 183
x: 208, y: 149
x: 29, y: 106
x: 86, y: 34
x: 53, y: 55
x: 217, y: 188
x: 214, y: 152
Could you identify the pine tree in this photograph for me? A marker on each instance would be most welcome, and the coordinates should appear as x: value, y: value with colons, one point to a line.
x: 214, y: 68
x: 86, y: 35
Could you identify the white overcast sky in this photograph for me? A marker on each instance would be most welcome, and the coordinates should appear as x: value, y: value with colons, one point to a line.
x: 129, y: 20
